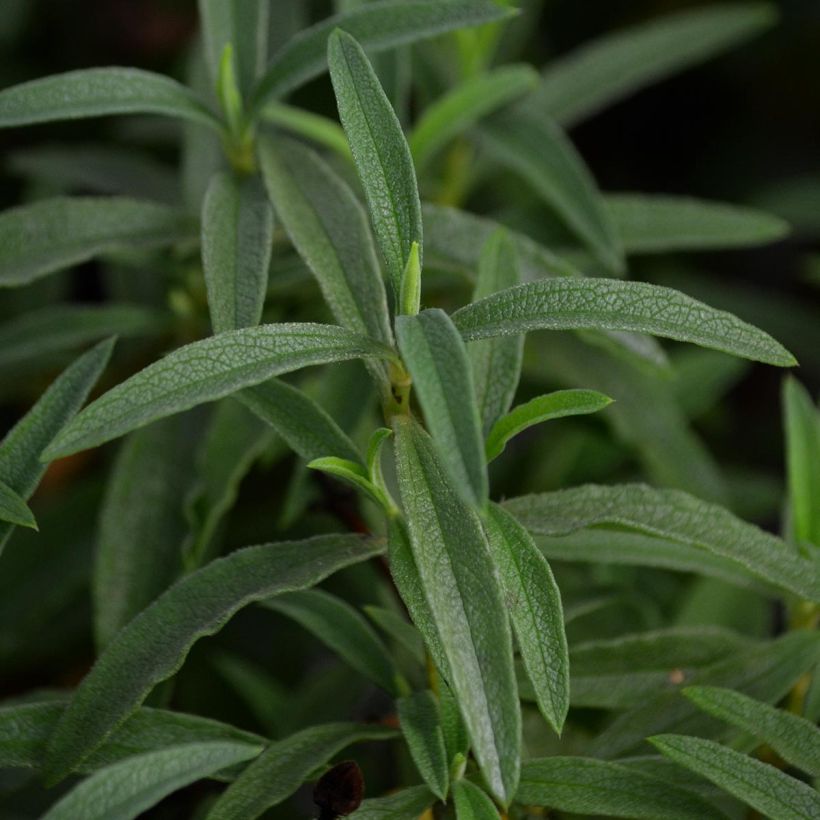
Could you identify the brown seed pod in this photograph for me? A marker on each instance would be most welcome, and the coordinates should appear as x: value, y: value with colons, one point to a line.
x: 339, y: 791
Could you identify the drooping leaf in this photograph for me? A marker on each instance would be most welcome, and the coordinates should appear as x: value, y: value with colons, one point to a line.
x: 534, y: 603
x: 14, y: 510
x: 285, y: 765
x: 207, y: 370
x: 471, y: 803
x: 51, y: 234
x: 459, y: 582
x: 596, y: 304
x: 126, y: 789
x: 542, y: 408
x: 99, y: 92
x: 421, y: 726
x: 380, y: 152
x: 154, y: 645
x: 437, y: 360
x: 759, y: 785
x: 237, y: 234
x: 406, y: 803
x: 20, y: 466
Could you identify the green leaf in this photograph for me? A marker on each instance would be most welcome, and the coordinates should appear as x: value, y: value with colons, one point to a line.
x: 153, y: 646
x: 20, y: 466
x: 555, y: 405
x: 329, y: 229
x: 409, y: 302
x: 315, y: 127
x: 14, y: 510
x: 340, y: 627
x: 285, y: 765
x: 471, y: 803
x: 496, y: 363
x: 126, y: 789
x: 802, y: 423
x: 529, y: 143
x: 604, y: 304
x: 207, y: 370
x: 99, y: 92
x: 237, y: 235
x: 391, y: 24
x: 466, y: 104
x: 421, y: 726
x: 674, y: 515
x: 794, y: 738
x: 380, y: 152
x: 649, y: 223
x: 757, y: 784
x: 437, y: 360
x: 52, y: 234
x: 534, y: 603
x: 406, y: 803
x: 397, y: 628
x: 585, y: 786
x: 459, y: 581
x: 616, y: 65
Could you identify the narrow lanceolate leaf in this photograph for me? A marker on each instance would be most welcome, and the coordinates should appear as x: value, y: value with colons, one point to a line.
x: 674, y: 515
x: 531, y: 144
x: 98, y: 92
x: 397, y: 628
x: 329, y: 229
x: 465, y: 105
x: 393, y: 23
x: 285, y: 765
x: 20, y: 465
x: 13, y: 509
x: 555, y: 405
x: 604, y: 304
x: 802, y: 423
x: 650, y: 223
x: 208, y: 370
x: 126, y: 789
x: 459, y: 581
x: 153, y: 646
x: 496, y: 363
x: 53, y: 234
x: 585, y: 786
x: 338, y: 625
x: 237, y: 234
x: 471, y: 803
x: 794, y: 738
x: 315, y: 127
x: 411, y: 802
x: 380, y: 152
x: 759, y: 785
x: 614, y: 66
x: 421, y: 726
x: 437, y: 360
x: 534, y: 603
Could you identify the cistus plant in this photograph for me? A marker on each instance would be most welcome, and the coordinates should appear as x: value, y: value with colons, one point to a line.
x: 447, y: 606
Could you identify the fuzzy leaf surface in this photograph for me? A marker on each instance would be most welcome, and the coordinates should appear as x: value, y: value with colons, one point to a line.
x: 421, y: 726
x: 471, y: 803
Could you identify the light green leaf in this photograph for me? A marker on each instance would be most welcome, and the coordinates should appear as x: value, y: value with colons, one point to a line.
x: 555, y: 405
x: 585, y: 786
x: 321, y: 130
x: 20, y: 466
x: 459, y: 581
x: 534, y: 604
x: 406, y: 803
x: 126, y: 789
x: 529, y: 143
x: 397, y: 628
x: 616, y: 65
x: 99, y: 92
x: 471, y: 803
x: 380, y: 152
x: 14, y: 510
x: 651, y: 223
x: 153, y: 646
x: 437, y: 360
x: 208, y: 370
x: 794, y: 738
x: 285, y: 765
x: 237, y: 235
x: 52, y: 234
x: 604, y: 304
x: 390, y: 24
x: 421, y: 725
x: 674, y: 515
x: 354, y: 474
x: 465, y: 105
x: 329, y: 229
x: 759, y: 785
x: 339, y: 626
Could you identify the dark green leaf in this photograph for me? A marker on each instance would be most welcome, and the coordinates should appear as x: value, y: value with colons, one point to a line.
x: 471, y: 803
x: 14, y: 510
x: 397, y: 627
x: 399, y: 806
x: 421, y: 725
